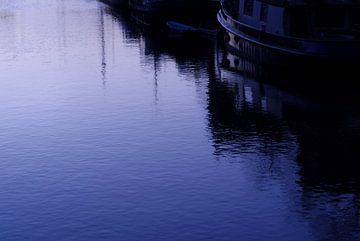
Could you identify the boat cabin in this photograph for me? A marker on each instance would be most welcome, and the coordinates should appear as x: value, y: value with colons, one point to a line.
x: 315, y: 19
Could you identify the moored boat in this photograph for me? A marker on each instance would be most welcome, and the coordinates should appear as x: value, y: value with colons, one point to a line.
x: 266, y: 29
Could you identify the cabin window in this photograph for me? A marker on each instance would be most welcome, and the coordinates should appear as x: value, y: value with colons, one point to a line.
x: 264, y: 12
x: 248, y: 7
x: 356, y: 15
x: 232, y: 7
x: 299, y: 23
x: 356, y: 23
x: 333, y: 17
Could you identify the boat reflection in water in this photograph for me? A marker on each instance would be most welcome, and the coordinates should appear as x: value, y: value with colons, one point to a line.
x: 318, y: 141
x: 321, y: 80
x: 290, y: 145
x: 296, y: 156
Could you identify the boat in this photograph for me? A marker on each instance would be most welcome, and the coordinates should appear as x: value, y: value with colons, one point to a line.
x: 180, y: 27
x: 183, y: 28
x: 266, y: 29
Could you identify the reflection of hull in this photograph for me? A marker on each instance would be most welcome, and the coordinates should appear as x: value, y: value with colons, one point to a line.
x: 326, y: 141
x: 265, y: 47
x: 315, y: 80
x: 242, y: 65
x: 261, y: 97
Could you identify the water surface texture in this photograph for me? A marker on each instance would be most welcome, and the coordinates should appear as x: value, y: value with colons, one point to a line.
x: 111, y: 133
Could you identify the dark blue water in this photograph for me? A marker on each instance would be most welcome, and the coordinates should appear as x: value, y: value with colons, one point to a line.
x: 111, y: 133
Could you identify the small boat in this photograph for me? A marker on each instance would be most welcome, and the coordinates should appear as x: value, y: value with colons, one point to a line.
x: 180, y: 27
x: 187, y: 29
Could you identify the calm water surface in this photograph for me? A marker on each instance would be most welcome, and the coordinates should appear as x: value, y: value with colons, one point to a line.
x: 108, y: 133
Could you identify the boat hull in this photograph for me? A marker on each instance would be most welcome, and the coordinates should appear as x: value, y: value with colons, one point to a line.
x: 264, y: 47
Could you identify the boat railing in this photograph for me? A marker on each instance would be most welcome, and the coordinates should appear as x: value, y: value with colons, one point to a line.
x: 257, y: 34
